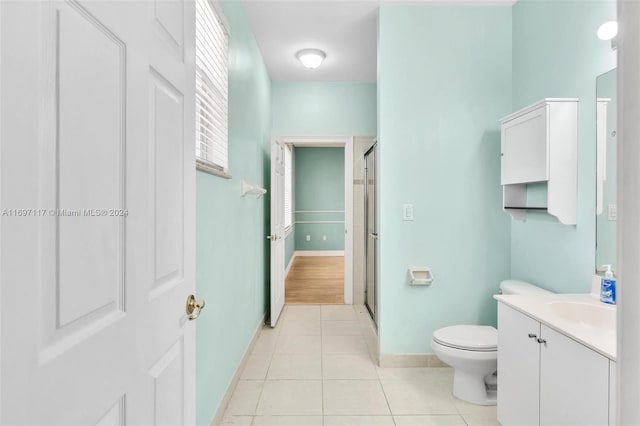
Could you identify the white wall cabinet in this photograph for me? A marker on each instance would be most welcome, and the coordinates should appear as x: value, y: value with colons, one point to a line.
x: 546, y: 378
x: 539, y: 144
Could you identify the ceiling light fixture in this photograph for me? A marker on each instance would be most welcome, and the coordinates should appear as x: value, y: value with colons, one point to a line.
x: 608, y: 30
x: 311, y: 58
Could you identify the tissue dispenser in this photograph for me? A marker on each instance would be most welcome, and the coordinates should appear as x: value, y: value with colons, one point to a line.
x: 420, y: 276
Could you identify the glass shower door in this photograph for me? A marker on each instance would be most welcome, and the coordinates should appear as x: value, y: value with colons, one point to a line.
x: 371, y: 248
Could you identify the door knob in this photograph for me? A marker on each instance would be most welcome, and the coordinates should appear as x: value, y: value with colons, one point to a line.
x: 194, y: 307
x: 272, y: 237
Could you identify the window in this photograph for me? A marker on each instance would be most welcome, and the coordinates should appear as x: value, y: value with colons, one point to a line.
x: 288, y: 187
x: 212, y: 89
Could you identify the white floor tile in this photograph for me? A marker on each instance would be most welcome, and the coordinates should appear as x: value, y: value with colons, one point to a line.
x: 475, y: 420
x: 442, y: 420
x: 287, y: 421
x: 348, y: 366
x: 295, y: 366
x: 354, y: 397
x: 485, y: 411
x: 288, y: 344
x: 245, y: 398
x: 358, y: 421
x: 418, y: 396
x: 291, y: 397
x: 256, y: 367
x: 338, y: 313
x: 441, y: 376
x: 294, y: 313
x: 343, y: 345
x: 265, y: 344
x: 304, y: 350
x: 301, y: 328
x: 236, y: 421
x: 341, y: 328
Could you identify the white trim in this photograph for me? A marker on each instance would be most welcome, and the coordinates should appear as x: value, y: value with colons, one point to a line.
x: 347, y: 143
x: 286, y: 271
x: 217, y: 419
x: 319, y: 253
x: 628, y: 227
x: 319, y: 211
x: 288, y: 230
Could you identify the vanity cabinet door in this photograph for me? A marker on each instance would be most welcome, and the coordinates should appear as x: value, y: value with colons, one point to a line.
x: 574, y: 382
x: 518, y: 368
x: 612, y: 393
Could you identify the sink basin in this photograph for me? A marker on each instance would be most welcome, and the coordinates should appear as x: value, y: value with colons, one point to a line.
x: 597, y: 316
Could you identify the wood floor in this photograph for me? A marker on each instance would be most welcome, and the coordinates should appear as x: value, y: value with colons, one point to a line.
x: 315, y: 280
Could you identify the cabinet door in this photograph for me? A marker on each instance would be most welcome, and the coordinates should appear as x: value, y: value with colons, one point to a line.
x: 518, y: 368
x: 612, y: 393
x: 525, y: 147
x: 574, y: 383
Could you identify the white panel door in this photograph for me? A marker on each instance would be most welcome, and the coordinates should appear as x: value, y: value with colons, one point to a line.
x: 277, y: 230
x: 518, y: 368
x: 574, y: 383
x: 97, y: 226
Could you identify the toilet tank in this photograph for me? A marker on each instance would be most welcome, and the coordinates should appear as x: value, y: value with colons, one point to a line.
x: 520, y: 287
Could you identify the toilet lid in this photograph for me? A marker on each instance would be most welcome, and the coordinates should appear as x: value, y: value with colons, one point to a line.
x: 468, y: 337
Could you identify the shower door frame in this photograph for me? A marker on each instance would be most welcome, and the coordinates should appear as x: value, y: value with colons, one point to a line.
x: 373, y: 312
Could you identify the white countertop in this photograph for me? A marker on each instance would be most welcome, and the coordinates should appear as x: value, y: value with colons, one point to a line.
x: 538, y: 306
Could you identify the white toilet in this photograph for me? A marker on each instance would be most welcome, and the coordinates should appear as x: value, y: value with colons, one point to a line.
x: 472, y: 351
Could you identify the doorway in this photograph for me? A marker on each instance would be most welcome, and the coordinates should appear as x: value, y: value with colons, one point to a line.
x: 371, y: 233
x: 309, y: 248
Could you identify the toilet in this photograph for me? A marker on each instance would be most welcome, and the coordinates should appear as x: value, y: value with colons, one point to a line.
x: 472, y: 351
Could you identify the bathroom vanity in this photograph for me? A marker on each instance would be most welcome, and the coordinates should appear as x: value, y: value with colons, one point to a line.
x: 556, y: 360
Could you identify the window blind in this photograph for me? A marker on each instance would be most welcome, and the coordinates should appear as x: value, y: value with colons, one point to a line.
x: 288, y: 187
x: 212, y: 87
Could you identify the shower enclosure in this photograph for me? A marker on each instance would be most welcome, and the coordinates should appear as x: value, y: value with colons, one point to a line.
x: 371, y: 233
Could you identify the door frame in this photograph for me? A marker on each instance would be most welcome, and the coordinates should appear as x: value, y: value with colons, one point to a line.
x: 345, y: 142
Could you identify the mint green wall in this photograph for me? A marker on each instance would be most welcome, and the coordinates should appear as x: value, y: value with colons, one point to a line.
x: 556, y: 54
x: 319, y: 186
x: 327, y: 109
x: 606, y: 229
x: 444, y: 80
x: 232, y: 256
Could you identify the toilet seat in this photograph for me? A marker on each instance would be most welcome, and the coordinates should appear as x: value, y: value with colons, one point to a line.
x: 479, y: 338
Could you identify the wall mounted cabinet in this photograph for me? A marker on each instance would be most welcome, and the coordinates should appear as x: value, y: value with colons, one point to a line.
x: 547, y: 378
x: 539, y: 144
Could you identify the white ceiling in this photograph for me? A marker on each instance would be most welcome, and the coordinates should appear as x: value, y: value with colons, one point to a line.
x: 344, y: 29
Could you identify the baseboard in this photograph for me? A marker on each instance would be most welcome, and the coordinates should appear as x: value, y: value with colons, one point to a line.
x: 318, y: 253
x: 410, y: 360
x: 286, y: 271
x: 217, y: 419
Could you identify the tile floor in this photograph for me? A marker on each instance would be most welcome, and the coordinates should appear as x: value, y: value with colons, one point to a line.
x: 317, y: 368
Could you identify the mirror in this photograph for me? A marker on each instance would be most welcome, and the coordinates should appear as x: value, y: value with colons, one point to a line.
x: 606, y: 208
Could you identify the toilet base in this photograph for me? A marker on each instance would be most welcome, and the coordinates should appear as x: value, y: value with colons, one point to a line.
x: 470, y: 387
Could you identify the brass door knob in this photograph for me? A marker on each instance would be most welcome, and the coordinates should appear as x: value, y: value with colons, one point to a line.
x: 194, y: 307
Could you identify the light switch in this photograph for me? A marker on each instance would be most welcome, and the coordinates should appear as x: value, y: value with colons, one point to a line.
x: 324, y: 238
x: 407, y: 212
x: 308, y: 237
x: 612, y: 212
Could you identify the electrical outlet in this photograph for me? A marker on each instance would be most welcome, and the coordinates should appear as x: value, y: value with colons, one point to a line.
x: 324, y: 238
x: 612, y: 212
x: 308, y: 237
